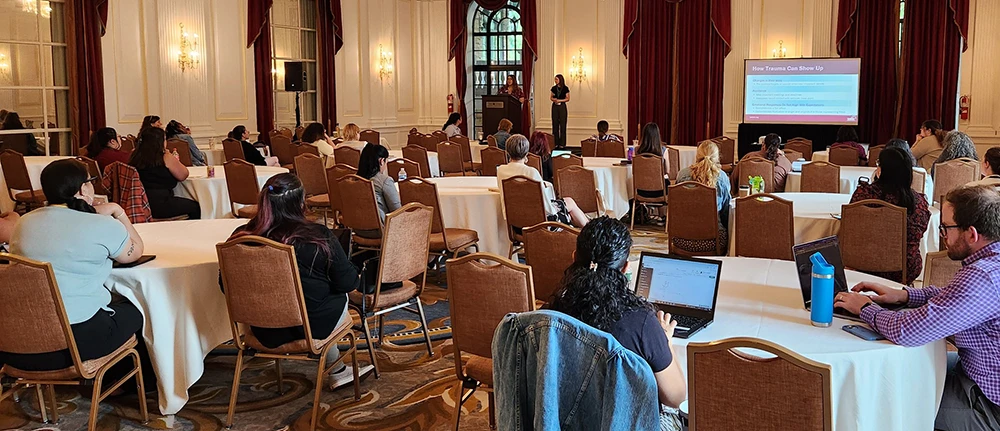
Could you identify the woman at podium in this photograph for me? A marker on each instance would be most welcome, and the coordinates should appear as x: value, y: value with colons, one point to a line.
x: 512, y: 88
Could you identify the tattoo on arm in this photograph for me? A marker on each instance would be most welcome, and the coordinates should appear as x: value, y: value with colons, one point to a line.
x: 131, y: 249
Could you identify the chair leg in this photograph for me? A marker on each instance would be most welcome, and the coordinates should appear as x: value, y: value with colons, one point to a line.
x: 458, y: 405
x: 95, y: 399
x: 142, y: 387
x: 371, y: 346
x: 41, y: 403
x: 281, y: 380
x: 354, y: 364
x: 423, y: 324
x: 381, y: 329
x: 634, y: 205
x: 493, y: 410
x: 52, y: 404
x: 319, y: 385
x: 235, y: 390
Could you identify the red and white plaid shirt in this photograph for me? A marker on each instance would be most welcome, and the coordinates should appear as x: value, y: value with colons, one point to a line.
x: 131, y: 194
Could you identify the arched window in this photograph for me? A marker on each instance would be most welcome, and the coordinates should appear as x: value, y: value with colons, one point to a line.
x: 496, y: 52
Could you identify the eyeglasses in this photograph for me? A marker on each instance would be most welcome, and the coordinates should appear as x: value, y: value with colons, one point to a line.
x: 92, y: 179
x: 943, y: 229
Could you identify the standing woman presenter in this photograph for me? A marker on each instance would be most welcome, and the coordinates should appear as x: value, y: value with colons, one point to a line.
x: 559, y: 97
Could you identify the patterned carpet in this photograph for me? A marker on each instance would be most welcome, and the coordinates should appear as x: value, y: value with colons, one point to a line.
x: 415, y: 391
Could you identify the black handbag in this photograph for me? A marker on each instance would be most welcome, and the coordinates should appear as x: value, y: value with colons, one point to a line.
x: 369, y: 274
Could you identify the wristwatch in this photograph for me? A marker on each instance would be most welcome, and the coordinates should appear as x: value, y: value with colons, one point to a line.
x: 862, y: 309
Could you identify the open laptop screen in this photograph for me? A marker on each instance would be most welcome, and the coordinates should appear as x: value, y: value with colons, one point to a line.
x: 678, y: 282
x: 829, y: 247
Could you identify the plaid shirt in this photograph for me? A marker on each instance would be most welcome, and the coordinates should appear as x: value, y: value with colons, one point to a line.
x: 968, y: 308
x: 131, y: 194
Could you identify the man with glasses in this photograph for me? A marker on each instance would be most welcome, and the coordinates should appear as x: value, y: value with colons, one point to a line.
x: 967, y: 311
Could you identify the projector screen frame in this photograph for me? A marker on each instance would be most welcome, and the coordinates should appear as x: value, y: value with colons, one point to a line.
x: 743, y: 114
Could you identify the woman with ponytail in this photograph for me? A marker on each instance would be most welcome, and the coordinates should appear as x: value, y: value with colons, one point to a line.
x: 707, y: 170
x: 327, y: 275
x: 596, y: 291
x: 80, y: 240
x: 771, y: 151
x: 929, y: 144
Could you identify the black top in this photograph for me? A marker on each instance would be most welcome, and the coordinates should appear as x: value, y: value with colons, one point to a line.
x: 560, y: 94
x: 157, y: 179
x: 640, y: 332
x: 251, y: 154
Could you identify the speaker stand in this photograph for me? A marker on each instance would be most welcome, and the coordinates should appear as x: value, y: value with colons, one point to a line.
x: 298, y: 111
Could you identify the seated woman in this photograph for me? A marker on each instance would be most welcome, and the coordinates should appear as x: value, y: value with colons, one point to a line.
x: 80, y: 241
x: 929, y: 143
x: 771, y: 151
x: 372, y: 166
x: 651, y: 143
x: 602, y: 133
x: 503, y: 133
x: 160, y: 172
x: 30, y: 145
x: 250, y: 153
x: 892, y: 184
x: 327, y: 275
x: 707, y: 170
x: 150, y: 121
x: 104, y: 148
x: 7, y: 222
x: 352, y: 136
x: 560, y: 210
x: 596, y: 291
x: 990, y: 169
x: 451, y: 127
x: 176, y: 130
x: 315, y: 135
x: 539, y: 146
x: 848, y: 138
x: 957, y: 145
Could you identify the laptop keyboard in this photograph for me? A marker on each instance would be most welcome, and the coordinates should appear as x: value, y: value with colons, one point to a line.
x: 686, y: 321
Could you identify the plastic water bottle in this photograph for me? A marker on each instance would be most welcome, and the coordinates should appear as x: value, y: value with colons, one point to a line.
x: 821, y: 311
x: 402, y: 175
x: 175, y: 154
x: 631, y: 152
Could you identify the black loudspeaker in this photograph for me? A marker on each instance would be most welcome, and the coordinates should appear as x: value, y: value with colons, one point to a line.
x: 295, y: 76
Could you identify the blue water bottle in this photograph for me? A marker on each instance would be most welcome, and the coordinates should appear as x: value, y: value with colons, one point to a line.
x: 631, y: 152
x: 821, y: 312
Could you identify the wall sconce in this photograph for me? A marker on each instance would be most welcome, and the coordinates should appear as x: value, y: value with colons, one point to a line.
x: 32, y: 6
x: 4, y: 66
x: 188, y: 57
x: 577, y: 71
x: 384, y: 63
x: 780, y: 51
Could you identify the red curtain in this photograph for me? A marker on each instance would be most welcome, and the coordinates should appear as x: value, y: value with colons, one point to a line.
x: 869, y: 30
x: 649, y: 46
x: 89, y: 19
x: 331, y: 38
x: 529, y: 53
x: 259, y: 37
x: 935, y: 34
x: 458, y: 12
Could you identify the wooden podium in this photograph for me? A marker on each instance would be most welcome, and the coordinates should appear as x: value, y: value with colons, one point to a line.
x: 498, y: 107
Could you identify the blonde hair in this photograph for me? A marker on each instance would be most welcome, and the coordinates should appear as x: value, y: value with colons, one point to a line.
x: 706, y: 169
x: 505, y: 125
x: 352, y: 132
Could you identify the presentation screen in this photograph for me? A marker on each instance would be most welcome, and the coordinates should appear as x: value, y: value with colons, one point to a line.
x: 802, y: 91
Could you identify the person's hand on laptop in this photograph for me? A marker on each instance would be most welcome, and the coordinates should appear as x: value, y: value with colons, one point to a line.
x: 850, y: 301
x: 883, y: 294
x: 668, y: 325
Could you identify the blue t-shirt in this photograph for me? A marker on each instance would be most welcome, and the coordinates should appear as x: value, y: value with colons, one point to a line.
x: 80, y: 247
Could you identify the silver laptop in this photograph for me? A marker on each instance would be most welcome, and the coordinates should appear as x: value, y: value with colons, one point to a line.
x: 685, y: 287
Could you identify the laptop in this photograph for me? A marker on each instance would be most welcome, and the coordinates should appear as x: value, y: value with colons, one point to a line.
x: 829, y: 247
x: 685, y: 287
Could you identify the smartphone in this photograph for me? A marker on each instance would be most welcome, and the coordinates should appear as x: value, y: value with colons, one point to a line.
x: 863, y: 332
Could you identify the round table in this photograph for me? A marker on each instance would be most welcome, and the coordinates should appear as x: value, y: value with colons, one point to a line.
x: 215, y: 157
x: 474, y: 203
x: 212, y: 194
x: 686, y: 156
x: 35, y: 164
x: 178, y: 294
x: 813, y: 215
x: 432, y: 161
x: 876, y: 385
x: 614, y: 181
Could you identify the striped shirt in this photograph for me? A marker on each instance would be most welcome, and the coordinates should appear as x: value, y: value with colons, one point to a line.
x: 968, y: 308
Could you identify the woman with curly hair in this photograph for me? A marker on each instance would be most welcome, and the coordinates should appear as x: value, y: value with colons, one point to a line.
x: 771, y: 151
x: 957, y: 145
x: 596, y: 291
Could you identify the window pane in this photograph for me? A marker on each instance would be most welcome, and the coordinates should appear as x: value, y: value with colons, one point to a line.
x: 308, y: 45
x: 27, y: 103
x: 310, y: 76
x: 308, y: 104
x: 55, y: 65
x: 279, y: 75
x: 25, y: 65
x: 284, y: 107
x: 285, y: 12
x: 60, y: 144
x: 308, y: 13
x: 18, y: 20
x: 287, y: 43
x: 53, y: 22
x: 56, y: 109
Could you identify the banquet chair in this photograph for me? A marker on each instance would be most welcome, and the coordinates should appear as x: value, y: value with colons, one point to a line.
x: 309, y: 168
x: 873, y: 153
x: 413, y: 138
x: 271, y: 296
x: 273, y: 133
x: 338, y: 141
x: 611, y: 149
x: 939, y: 269
x: 548, y: 250
x: 127, y: 191
x: 793, y: 155
x: 431, y: 141
x: 466, y: 147
x: 298, y: 133
x: 871, y: 218
x: 844, y: 156
x: 800, y: 145
x: 284, y: 150
x: 579, y: 183
x: 333, y: 175
x: 94, y: 170
x: 550, y: 141
x: 403, y: 258
x: 673, y: 163
x: 482, y: 289
x: 233, y: 149
x: 182, y: 149
x: 128, y: 144
x: 820, y: 177
x: 418, y: 153
x: 765, y: 227
x: 491, y: 158
x: 411, y: 167
x: 693, y: 224
x: 361, y: 215
x: 951, y: 175
x: 562, y: 161
x: 535, y: 161
x: 371, y: 136
x: 450, y: 159
x: 33, y: 318
x: 306, y: 149
x: 755, y: 166
x: 241, y: 182
x: 491, y: 141
x: 647, y: 175
x: 286, y: 132
x: 919, y: 182
x: 444, y: 241
x: 727, y: 153
x: 441, y: 135
x: 523, y: 206
x: 347, y: 156
x: 724, y: 379
x: 15, y: 173
x: 588, y: 148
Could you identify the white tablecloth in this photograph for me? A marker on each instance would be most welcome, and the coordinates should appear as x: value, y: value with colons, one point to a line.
x: 35, y: 164
x: 813, y: 217
x: 476, y: 151
x: 614, y: 181
x: 211, y: 193
x: 849, y: 176
x: 474, y: 203
x: 432, y: 160
x: 687, y: 155
x: 215, y: 157
x: 876, y: 385
x: 178, y: 294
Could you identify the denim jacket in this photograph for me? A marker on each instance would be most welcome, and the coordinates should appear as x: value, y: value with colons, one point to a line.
x: 554, y: 372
